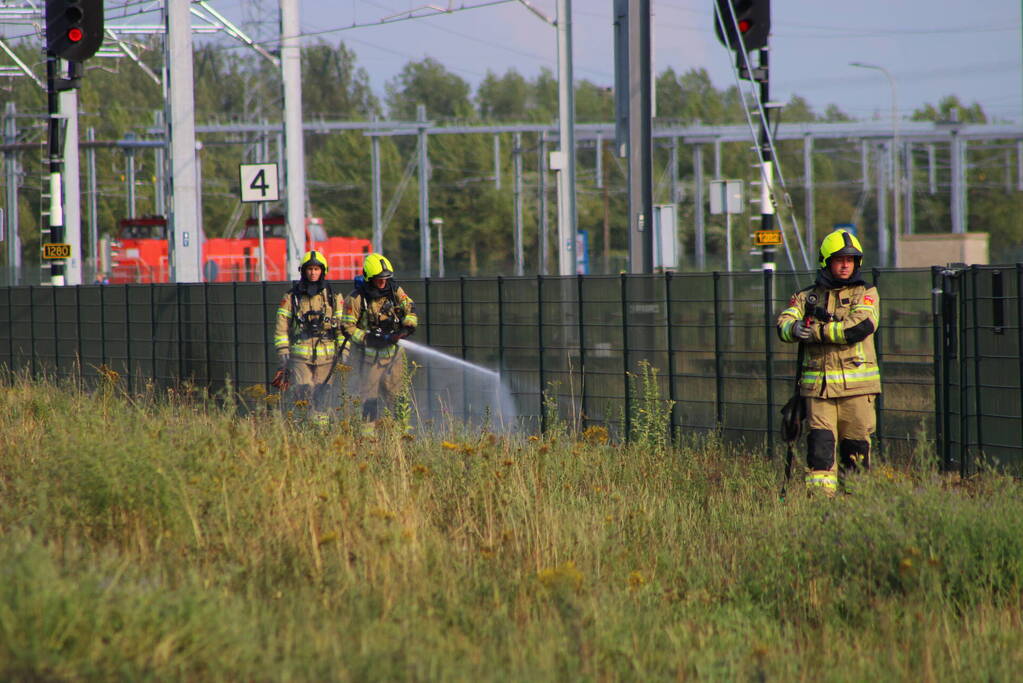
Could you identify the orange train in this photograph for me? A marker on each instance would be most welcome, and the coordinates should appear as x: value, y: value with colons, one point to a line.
x: 139, y: 254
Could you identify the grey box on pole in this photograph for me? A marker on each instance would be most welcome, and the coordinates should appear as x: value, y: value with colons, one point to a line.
x: 726, y: 196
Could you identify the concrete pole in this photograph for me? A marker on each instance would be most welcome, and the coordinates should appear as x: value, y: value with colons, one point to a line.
x: 808, y: 207
x: 542, y: 209
x: 294, y: 163
x: 517, y: 165
x: 424, y: 194
x: 882, y: 206
x: 378, y: 227
x: 93, y: 201
x: 11, y: 196
x: 72, y: 187
x: 566, y: 142
x: 600, y: 162
x: 497, y: 162
x: 701, y: 237
x: 184, y: 243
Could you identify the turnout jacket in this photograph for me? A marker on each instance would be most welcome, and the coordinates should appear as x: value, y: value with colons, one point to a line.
x: 362, y: 313
x: 294, y: 334
x: 840, y: 359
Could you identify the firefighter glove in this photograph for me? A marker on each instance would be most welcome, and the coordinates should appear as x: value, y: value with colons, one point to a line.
x: 377, y: 340
x: 283, y: 358
x: 800, y: 330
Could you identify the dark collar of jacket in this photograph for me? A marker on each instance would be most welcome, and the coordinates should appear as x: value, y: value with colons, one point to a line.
x: 826, y: 280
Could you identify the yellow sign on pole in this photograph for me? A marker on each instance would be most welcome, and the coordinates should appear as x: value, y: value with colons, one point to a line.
x: 57, y: 250
x: 767, y: 238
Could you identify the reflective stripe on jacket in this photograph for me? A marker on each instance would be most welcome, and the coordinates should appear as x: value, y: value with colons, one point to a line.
x: 300, y: 343
x: 359, y: 316
x: 840, y: 359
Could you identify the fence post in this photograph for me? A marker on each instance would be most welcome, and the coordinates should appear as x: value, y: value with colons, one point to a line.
x: 32, y: 330
x: 266, y: 332
x: 539, y: 343
x: 964, y: 425
x: 206, y: 330
x: 500, y: 328
x: 103, y: 325
x: 1019, y: 343
x: 625, y: 355
x: 234, y: 333
x: 78, y: 329
x: 940, y: 404
x: 879, y: 351
x: 56, y: 340
x: 719, y: 384
x: 10, y: 331
x: 976, y: 359
x: 461, y: 321
x: 671, y: 353
x: 769, y: 372
x: 180, y: 345
x: 582, y: 352
x: 127, y: 338
x: 152, y: 330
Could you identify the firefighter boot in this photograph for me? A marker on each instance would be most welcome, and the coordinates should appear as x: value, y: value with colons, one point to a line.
x: 822, y: 475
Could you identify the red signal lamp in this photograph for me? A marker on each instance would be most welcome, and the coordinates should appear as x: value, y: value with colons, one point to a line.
x: 745, y: 25
x: 75, y: 34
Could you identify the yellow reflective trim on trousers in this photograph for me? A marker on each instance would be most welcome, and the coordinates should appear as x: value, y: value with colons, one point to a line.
x: 851, y: 377
x: 826, y: 480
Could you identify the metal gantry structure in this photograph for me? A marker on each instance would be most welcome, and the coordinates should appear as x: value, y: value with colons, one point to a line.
x: 177, y: 172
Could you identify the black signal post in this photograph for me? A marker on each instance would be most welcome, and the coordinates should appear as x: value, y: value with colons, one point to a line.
x: 74, y: 32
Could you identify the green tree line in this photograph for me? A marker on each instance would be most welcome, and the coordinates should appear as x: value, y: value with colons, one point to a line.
x: 232, y: 85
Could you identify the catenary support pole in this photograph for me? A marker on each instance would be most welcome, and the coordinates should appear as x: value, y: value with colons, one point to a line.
x: 517, y: 166
x: 497, y: 162
x: 11, y: 196
x: 424, y: 193
x: 640, y: 145
x: 178, y: 78
x: 378, y: 228
x: 808, y: 204
x: 294, y: 164
x: 542, y: 208
x: 882, y: 205
x: 698, y: 216
x: 958, y: 194
x: 72, y: 187
x: 566, y: 142
x: 92, y: 202
x: 908, y: 171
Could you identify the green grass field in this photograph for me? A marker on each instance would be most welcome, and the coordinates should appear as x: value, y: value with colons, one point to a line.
x: 171, y: 537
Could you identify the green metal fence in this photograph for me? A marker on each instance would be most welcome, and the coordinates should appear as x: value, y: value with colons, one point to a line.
x: 949, y: 346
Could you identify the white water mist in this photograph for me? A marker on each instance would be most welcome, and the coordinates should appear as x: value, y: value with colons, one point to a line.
x: 449, y: 388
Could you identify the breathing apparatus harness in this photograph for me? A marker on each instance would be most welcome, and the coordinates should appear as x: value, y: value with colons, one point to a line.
x: 389, y: 319
x: 314, y: 324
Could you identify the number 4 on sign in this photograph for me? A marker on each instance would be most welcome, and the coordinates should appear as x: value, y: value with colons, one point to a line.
x: 259, y: 182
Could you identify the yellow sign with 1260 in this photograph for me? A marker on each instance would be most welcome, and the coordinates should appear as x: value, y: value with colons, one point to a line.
x: 767, y: 238
x: 57, y: 250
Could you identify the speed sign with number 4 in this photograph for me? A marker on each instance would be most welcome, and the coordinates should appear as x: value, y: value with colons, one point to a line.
x: 259, y: 182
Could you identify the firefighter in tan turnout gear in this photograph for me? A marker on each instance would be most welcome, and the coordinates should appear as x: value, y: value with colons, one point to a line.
x: 306, y: 336
x: 836, y: 320
x: 376, y: 316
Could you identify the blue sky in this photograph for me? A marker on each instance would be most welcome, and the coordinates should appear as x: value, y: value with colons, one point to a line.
x: 931, y: 47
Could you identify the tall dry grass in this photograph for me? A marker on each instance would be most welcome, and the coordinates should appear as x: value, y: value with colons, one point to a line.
x: 171, y: 536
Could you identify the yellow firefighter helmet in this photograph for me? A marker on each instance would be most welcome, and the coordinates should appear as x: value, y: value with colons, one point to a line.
x: 377, y: 265
x: 840, y: 243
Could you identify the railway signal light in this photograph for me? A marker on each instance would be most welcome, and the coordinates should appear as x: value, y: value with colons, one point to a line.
x: 74, y: 28
x: 752, y: 20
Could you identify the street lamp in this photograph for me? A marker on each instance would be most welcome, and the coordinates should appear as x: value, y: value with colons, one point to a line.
x: 896, y: 175
x: 439, y: 223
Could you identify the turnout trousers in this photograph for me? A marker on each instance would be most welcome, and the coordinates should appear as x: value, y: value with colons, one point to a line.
x: 839, y: 438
